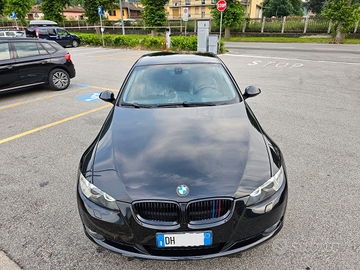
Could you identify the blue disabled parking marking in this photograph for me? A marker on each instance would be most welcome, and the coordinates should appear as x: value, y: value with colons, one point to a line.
x: 93, y: 97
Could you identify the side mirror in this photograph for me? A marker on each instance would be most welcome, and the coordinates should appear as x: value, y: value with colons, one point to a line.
x: 107, y: 96
x: 251, y: 91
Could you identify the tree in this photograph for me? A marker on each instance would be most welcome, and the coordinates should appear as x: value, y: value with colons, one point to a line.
x: 91, y: 9
x: 233, y: 14
x: 278, y: 8
x: 154, y: 13
x: 297, y: 5
x: 316, y: 6
x: 2, y: 6
x: 344, y: 15
x: 54, y: 9
x: 20, y: 7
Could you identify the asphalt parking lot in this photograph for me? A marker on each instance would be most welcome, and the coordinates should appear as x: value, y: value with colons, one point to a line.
x: 309, y: 105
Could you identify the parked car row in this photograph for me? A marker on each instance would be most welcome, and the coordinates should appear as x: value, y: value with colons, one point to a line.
x: 38, y: 59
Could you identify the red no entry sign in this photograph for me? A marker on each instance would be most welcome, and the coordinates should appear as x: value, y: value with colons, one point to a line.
x: 221, y: 5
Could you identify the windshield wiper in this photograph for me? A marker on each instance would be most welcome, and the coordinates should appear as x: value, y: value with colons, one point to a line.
x: 136, y: 105
x: 187, y: 104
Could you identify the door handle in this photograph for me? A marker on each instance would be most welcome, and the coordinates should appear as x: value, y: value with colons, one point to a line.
x: 44, y: 62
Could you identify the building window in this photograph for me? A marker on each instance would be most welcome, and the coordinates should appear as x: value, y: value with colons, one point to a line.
x: 196, y: 10
x: 203, y: 12
x: 203, y: 2
x: 187, y: 2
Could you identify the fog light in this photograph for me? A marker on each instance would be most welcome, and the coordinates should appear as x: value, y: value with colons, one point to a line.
x: 95, y: 234
x: 272, y: 228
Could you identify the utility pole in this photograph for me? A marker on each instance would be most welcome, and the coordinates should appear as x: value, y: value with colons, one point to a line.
x: 122, y: 19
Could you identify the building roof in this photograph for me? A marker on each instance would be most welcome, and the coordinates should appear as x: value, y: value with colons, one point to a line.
x: 77, y: 9
x: 35, y: 9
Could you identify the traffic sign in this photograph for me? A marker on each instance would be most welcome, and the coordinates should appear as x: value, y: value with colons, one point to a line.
x: 221, y: 5
x: 186, y: 14
x: 13, y: 14
x: 100, y: 10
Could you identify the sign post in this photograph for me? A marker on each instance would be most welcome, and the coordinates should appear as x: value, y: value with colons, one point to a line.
x: 221, y: 6
x: 122, y: 19
x: 102, y: 29
x: 185, y: 18
x: 14, y: 16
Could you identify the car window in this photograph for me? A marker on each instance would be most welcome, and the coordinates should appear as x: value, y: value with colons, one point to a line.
x: 43, y: 32
x: 51, y: 31
x: 41, y: 49
x: 165, y: 84
x: 62, y: 32
x: 10, y: 34
x: 26, y: 49
x: 4, y: 51
x: 48, y: 47
x: 2, y: 34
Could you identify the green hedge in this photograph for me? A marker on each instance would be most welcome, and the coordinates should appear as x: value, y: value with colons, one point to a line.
x: 146, y: 42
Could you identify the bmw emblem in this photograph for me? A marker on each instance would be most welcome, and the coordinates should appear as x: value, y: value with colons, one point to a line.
x: 182, y: 190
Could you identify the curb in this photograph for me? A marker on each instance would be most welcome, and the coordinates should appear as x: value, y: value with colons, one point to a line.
x: 6, y: 263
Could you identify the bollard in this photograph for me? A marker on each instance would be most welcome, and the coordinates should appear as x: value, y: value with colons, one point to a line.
x: 162, y: 44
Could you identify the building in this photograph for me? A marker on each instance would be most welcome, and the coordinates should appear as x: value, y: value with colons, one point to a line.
x: 70, y: 12
x: 253, y: 8
x: 200, y: 9
x: 130, y: 11
x: 74, y: 12
x: 35, y: 13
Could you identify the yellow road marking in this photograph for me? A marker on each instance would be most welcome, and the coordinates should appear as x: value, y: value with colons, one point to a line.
x: 52, y: 124
x: 38, y: 99
x: 104, y: 88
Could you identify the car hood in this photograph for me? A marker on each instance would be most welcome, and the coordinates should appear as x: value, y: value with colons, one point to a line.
x: 147, y: 153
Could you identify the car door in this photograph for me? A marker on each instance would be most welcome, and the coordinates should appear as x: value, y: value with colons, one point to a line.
x: 32, y: 62
x: 64, y: 37
x: 8, y: 72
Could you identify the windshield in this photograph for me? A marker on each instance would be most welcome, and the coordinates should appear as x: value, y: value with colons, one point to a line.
x: 174, y: 84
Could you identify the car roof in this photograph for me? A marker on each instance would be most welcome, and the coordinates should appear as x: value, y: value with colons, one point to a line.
x: 162, y: 58
x: 11, y: 39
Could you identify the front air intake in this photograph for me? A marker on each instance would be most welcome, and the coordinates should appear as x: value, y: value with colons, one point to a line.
x: 210, y: 209
x: 158, y: 211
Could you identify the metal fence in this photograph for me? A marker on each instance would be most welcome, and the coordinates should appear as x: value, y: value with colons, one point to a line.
x: 261, y: 25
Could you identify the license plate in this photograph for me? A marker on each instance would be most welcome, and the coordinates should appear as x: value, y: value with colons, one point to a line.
x: 184, y: 239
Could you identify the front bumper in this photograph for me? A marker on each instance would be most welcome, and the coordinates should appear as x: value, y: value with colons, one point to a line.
x: 245, y: 228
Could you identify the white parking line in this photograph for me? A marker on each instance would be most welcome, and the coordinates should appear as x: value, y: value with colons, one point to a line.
x: 294, y: 59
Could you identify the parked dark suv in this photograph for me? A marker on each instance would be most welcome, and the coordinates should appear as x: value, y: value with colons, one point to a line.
x: 48, y: 30
x: 28, y: 62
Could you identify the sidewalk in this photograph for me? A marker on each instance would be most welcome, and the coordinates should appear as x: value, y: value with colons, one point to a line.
x: 6, y: 263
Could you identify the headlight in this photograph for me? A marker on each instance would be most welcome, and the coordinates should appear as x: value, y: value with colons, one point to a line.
x: 96, y: 195
x: 268, y: 189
